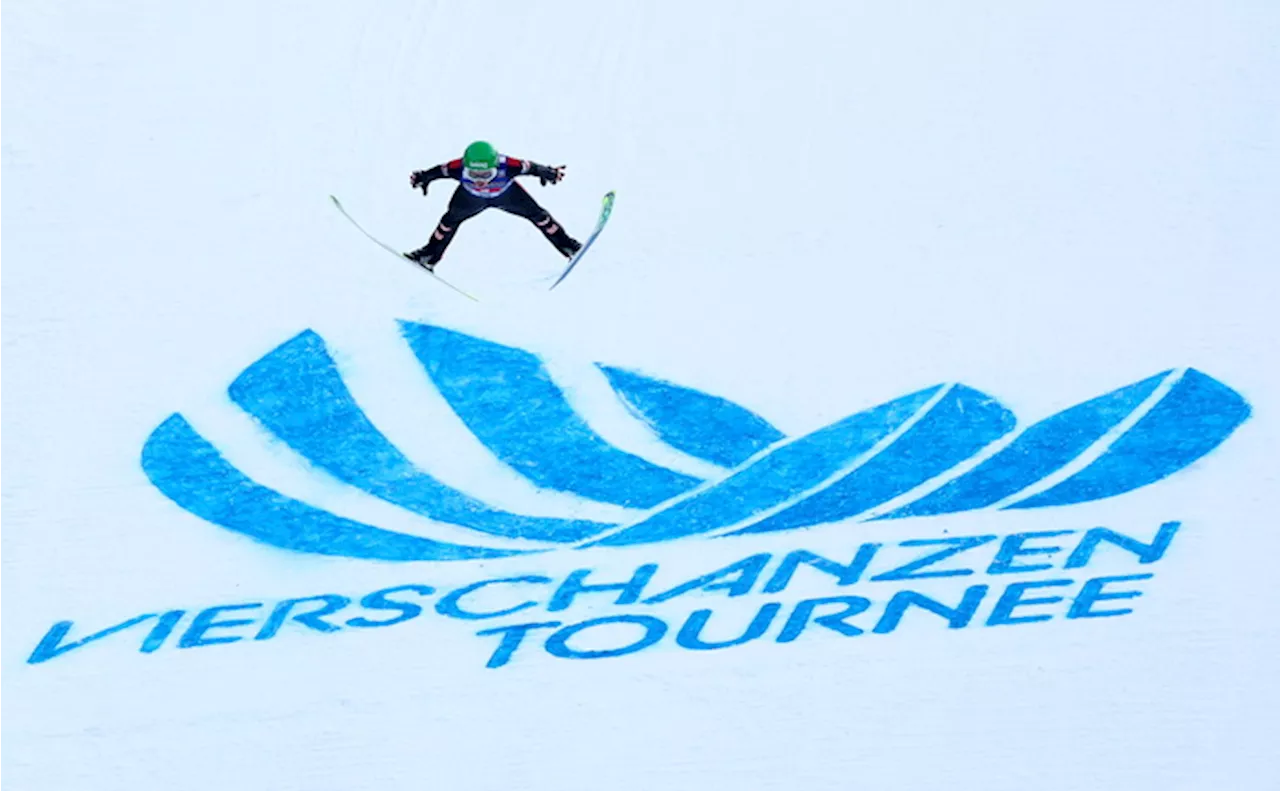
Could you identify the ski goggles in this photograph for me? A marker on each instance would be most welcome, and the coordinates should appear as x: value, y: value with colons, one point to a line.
x: 481, y: 175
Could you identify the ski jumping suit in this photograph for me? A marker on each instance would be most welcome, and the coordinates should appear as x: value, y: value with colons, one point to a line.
x: 500, y: 192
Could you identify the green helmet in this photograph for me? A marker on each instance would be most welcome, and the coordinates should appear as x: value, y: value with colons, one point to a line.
x: 480, y: 156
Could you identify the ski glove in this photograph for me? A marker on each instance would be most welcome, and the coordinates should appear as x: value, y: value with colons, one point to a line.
x: 547, y: 173
x: 420, y: 179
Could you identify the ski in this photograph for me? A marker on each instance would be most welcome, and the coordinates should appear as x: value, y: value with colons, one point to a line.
x: 606, y: 208
x: 396, y: 253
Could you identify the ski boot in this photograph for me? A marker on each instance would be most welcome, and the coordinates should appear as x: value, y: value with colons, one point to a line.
x: 423, y: 259
x: 569, y: 248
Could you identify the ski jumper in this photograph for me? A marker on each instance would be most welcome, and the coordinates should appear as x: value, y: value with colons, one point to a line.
x: 496, y: 189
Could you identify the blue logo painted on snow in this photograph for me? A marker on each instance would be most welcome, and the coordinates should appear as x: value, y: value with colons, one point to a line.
x: 941, y: 450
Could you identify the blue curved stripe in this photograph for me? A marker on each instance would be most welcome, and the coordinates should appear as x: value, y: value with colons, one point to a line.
x: 1041, y: 449
x: 509, y: 402
x: 191, y: 472
x: 694, y: 422
x: 775, y: 477
x: 298, y: 394
x: 1197, y: 414
x: 963, y: 422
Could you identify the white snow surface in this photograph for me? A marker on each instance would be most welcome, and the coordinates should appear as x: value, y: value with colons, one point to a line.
x: 821, y: 206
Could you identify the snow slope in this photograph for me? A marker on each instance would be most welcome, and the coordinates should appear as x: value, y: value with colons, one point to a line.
x: 822, y: 207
